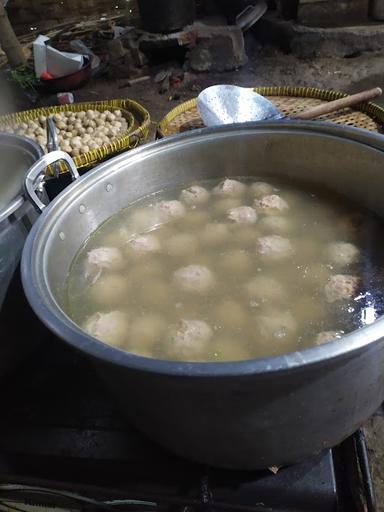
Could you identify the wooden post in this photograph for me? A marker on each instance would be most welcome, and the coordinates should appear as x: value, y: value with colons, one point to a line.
x: 9, y: 42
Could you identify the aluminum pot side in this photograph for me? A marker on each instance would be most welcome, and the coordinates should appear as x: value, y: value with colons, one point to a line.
x: 240, y: 415
x: 16, y: 218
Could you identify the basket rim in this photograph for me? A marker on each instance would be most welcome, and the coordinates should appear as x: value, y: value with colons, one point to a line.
x: 131, y: 138
x: 371, y: 109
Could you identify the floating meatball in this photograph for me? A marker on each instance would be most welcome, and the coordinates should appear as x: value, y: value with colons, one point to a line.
x: 327, y: 336
x: 229, y: 188
x: 194, y: 195
x: 144, y: 244
x: 270, y: 205
x: 275, y: 224
x: 189, y: 338
x: 145, y: 330
x: 261, y: 189
x: 118, y: 237
x: 264, y: 289
x: 274, y: 247
x: 109, y: 290
x: 276, y: 325
x: 342, y: 254
x: 101, y: 258
x: 214, y: 233
x: 194, y: 279
x: 170, y: 210
x: 145, y: 219
x: 181, y: 244
x: 341, y: 287
x: 242, y: 215
x: 109, y: 327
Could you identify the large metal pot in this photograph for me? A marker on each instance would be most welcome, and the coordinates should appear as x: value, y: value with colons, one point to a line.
x: 242, y: 415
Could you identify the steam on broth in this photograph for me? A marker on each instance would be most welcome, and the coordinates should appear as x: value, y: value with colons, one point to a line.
x: 230, y: 270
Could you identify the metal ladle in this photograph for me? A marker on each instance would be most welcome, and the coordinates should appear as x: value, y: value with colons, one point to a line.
x: 227, y: 104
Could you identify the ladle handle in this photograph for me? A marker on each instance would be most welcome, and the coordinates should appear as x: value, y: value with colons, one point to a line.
x: 333, y: 106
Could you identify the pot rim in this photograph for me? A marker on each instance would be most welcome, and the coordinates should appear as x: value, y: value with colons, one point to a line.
x: 35, y: 151
x: 63, y: 327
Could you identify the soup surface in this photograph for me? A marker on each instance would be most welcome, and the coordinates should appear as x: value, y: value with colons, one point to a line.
x: 230, y: 270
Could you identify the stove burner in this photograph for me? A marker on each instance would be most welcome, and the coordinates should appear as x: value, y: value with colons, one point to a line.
x: 64, y: 443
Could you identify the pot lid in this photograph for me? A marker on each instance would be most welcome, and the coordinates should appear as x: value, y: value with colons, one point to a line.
x: 17, y: 156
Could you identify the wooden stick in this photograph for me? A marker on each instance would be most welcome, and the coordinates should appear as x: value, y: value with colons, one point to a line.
x: 333, y: 106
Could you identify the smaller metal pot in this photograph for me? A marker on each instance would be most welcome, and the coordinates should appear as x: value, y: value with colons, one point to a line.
x: 16, y: 215
x: 16, y: 218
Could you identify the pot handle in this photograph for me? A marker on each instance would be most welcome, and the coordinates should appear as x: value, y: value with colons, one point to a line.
x: 36, y: 174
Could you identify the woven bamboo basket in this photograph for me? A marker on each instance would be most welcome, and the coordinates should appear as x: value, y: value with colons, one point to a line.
x: 288, y: 100
x: 137, y: 117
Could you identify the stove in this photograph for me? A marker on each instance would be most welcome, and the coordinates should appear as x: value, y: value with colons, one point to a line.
x: 64, y: 443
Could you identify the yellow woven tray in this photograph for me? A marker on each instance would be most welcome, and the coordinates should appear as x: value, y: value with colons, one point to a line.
x: 137, y: 117
x: 288, y: 100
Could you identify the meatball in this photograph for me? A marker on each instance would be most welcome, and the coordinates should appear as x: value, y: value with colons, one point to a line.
x: 145, y: 219
x: 270, y: 205
x: 274, y: 247
x: 145, y: 330
x: 275, y: 224
x: 342, y: 254
x: 118, y: 237
x: 170, y: 210
x: 214, y: 233
x: 194, y: 195
x: 229, y: 188
x: 242, y: 215
x: 189, y: 338
x: 264, y: 289
x: 261, y: 189
x: 101, y: 258
x: 144, y: 244
x: 327, y: 336
x: 276, y: 324
x: 181, y: 244
x: 109, y: 290
x: 341, y: 287
x: 194, y: 279
x: 109, y: 327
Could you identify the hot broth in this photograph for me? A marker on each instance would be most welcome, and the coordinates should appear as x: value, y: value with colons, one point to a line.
x: 230, y: 270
